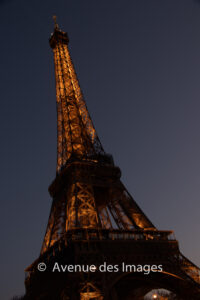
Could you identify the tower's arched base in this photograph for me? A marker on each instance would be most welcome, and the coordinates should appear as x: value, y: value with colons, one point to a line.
x: 135, y: 286
x: 111, y: 283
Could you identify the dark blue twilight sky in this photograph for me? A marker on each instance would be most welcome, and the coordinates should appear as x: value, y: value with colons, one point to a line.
x: 138, y: 62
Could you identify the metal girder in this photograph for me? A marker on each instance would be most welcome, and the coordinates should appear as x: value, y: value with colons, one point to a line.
x: 81, y: 211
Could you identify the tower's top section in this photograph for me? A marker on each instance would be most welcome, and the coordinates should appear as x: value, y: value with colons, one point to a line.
x: 58, y: 35
x: 76, y: 136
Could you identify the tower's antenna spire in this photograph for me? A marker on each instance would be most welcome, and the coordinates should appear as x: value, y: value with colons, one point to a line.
x: 55, y: 23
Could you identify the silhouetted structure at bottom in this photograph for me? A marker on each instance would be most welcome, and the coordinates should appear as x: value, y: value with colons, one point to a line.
x: 95, y: 221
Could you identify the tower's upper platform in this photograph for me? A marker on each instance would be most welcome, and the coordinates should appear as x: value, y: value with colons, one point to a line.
x: 58, y: 35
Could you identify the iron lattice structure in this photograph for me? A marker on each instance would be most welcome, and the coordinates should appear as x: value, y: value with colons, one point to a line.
x: 93, y: 218
x: 76, y: 136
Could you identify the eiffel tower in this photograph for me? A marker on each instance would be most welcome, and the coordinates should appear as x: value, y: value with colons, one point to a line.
x: 94, y: 222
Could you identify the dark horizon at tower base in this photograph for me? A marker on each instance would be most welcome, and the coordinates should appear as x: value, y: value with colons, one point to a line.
x: 94, y: 220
